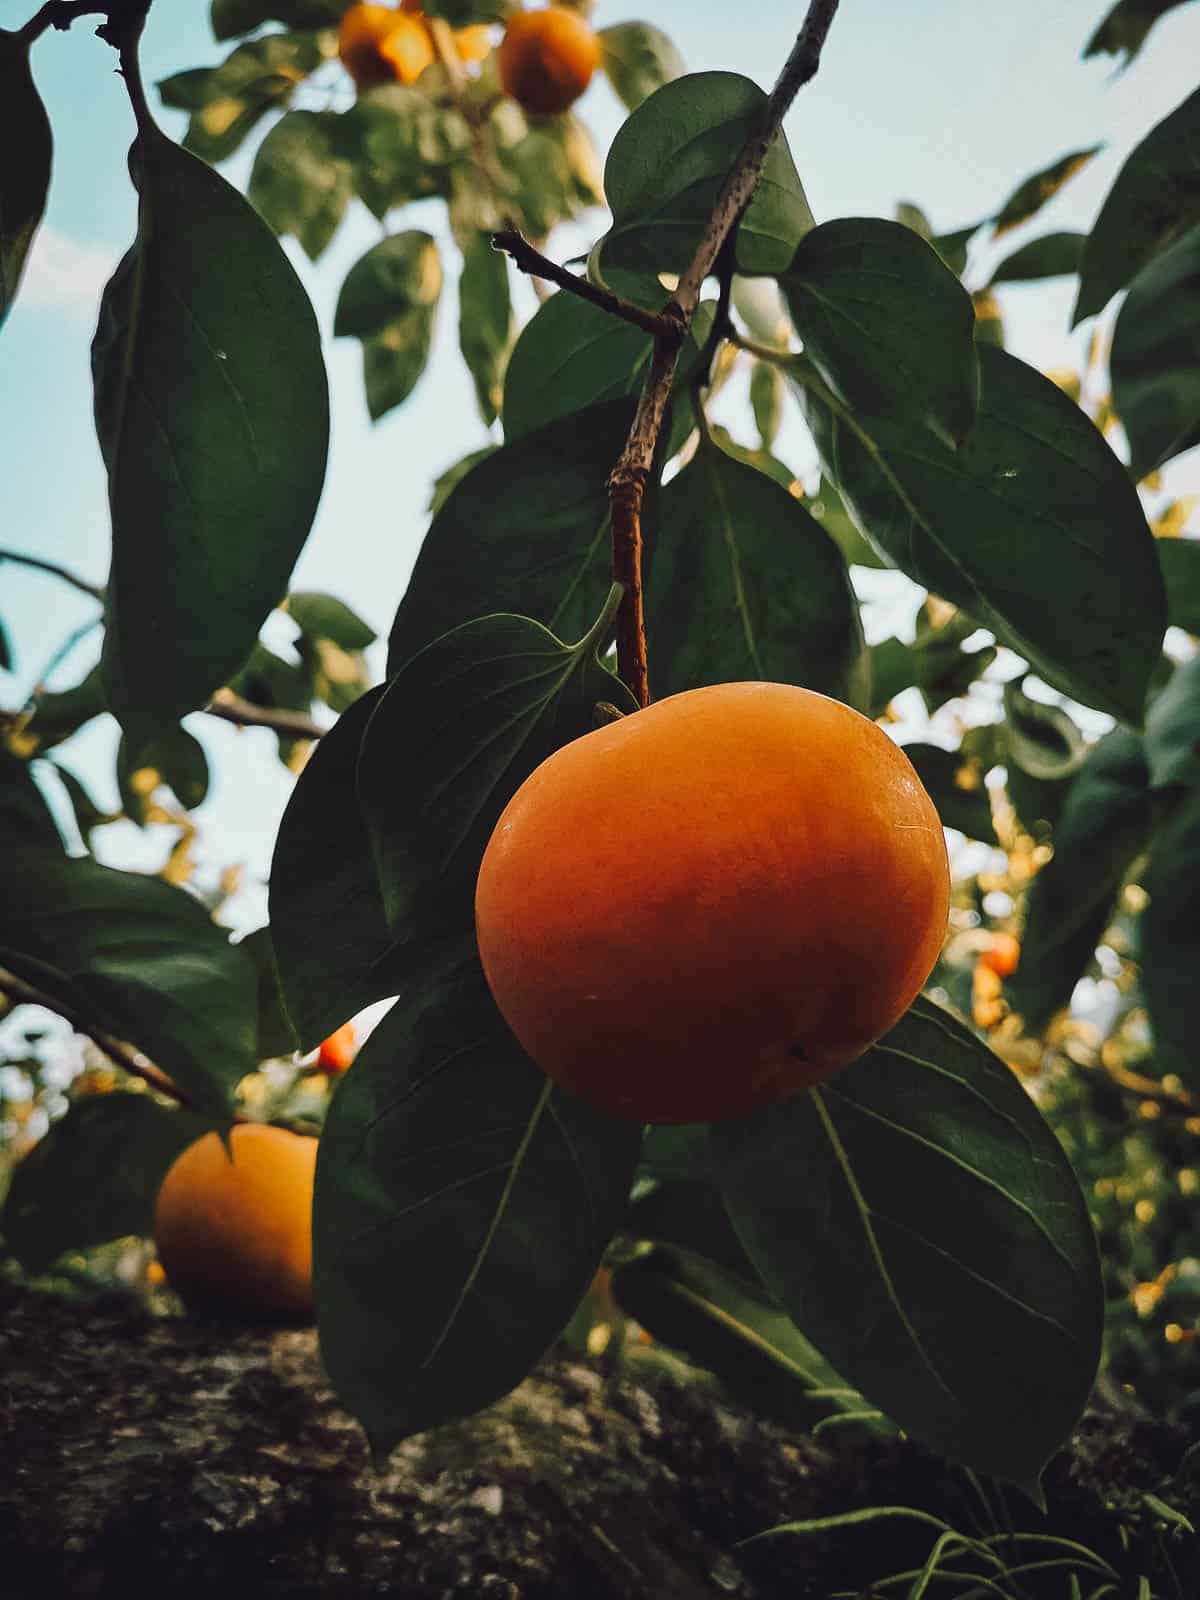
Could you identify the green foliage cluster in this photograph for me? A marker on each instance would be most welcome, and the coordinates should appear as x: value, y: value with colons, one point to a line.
x: 934, y: 1263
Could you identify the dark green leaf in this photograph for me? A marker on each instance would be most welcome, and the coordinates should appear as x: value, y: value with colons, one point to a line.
x: 60, y: 713
x: 525, y: 531
x: 952, y: 247
x: 945, y: 671
x: 689, y: 1215
x: 1042, y: 740
x: 485, y: 321
x: 570, y: 355
x: 227, y: 101
x: 1173, y: 729
x: 1154, y: 201
x: 679, y: 1151
x: 922, y: 1225
x: 174, y: 758
x: 466, y: 720
x: 1052, y: 256
x: 463, y: 1205
x: 887, y: 325
x: 1170, y: 940
x: 399, y: 145
x: 145, y: 959
x: 1028, y: 198
x: 453, y: 475
x: 1037, y: 802
x: 894, y: 668
x: 300, y: 183
x: 25, y: 818
x: 1180, y: 562
x: 752, y: 1346
x: 332, y: 945
x: 94, y: 1177
x: 7, y: 659
x: 1156, y: 357
x: 957, y: 789
x: 88, y: 814
x: 1103, y: 827
x: 322, y: 616
x: 746, y: 585
x: 213, y: 415
x: 388, y: 301
x: 665, y: 169
x: 1035, y: 507
x: 25, y: 171
x: 638, y: 58
x: 232, y: 17
x: 276, y: 1036
x: 1123, y: 30
x: 826, y: 505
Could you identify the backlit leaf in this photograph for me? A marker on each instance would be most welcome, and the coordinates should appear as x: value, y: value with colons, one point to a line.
x: 665, y: 169
x: 1028, y: 198
x: 1042, y: 739
x: 212, y: 411
x: 638, y: 58
x: 145, y: 959
x: 938, y: 1250
x: 1103, y: 826
x: 300, y: 182
x: 1035, y: 507
x: 324, y: 616
x: 747, y: 585
x: 485, y: 320
x: 227, y: 101
x: 174, y: 759
x: 1154, y: 201
x: 463, y: 1204
x: 25, y: 172
x: 456, y: 733
x: 1156, y: 357
x: 886, y: 324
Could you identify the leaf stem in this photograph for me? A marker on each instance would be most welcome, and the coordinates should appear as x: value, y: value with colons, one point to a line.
x: 55, y: 571
x: 627, y: 482
x: 530, y: 260
x: 231, y: 707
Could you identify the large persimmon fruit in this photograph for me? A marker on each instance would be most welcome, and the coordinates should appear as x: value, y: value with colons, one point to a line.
x: 712, y: 903
x: 547, y: 59
x: 378, y: 44
x: 235, y: 1236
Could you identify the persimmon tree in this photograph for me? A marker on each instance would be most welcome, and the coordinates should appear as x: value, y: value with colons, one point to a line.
x: 905, y: 1240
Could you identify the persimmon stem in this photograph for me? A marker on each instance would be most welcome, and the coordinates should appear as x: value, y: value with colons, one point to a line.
x: 528, y: 259
x: 627, y: 481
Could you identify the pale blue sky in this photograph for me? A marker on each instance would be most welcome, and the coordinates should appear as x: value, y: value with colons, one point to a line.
x: 943, y: 102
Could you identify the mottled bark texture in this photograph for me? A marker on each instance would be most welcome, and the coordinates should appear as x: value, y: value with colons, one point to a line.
x: 162, y: 1457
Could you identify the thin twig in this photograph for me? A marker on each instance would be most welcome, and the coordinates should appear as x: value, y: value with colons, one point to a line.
x: 53, y: 568
x: 125, y: 1055
x: 531, y: 261
x: 231, y: 707
x: 627, y: 481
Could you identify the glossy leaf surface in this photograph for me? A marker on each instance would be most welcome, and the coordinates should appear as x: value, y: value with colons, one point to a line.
x: 1156, y: 357
x: 923, y: 1227
x: 212, y: 411
x: 462, y: 1206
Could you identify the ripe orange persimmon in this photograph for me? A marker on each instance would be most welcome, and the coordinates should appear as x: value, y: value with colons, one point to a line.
x: 473, y: 43
x: 1002, y: 955
x: 338, y: 1051
x: 712, y: 903
x: 547, y: 58
x: 379, y: 44
x: 235, y: 1236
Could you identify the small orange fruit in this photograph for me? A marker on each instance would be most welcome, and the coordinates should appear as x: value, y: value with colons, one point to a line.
x: 378, y: 44
x: 235, y: 1236
x: 1002, y: 955
x: 547, y: 59
x: 338, y: 1051
x: 473, y: 43
x: 712, y: 903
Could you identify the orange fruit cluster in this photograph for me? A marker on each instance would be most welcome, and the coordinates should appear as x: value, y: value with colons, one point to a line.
x: 712, y: 903
x: 234, y: 1233
x: 383, y: 44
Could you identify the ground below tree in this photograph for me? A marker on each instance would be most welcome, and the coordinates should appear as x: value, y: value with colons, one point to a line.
x: 137, y: 1453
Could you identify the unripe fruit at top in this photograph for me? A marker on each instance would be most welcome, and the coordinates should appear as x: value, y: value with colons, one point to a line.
x: 713, y: 903
x: 378, y: 44
x: 547, y: 59
x: 235, y: 1236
